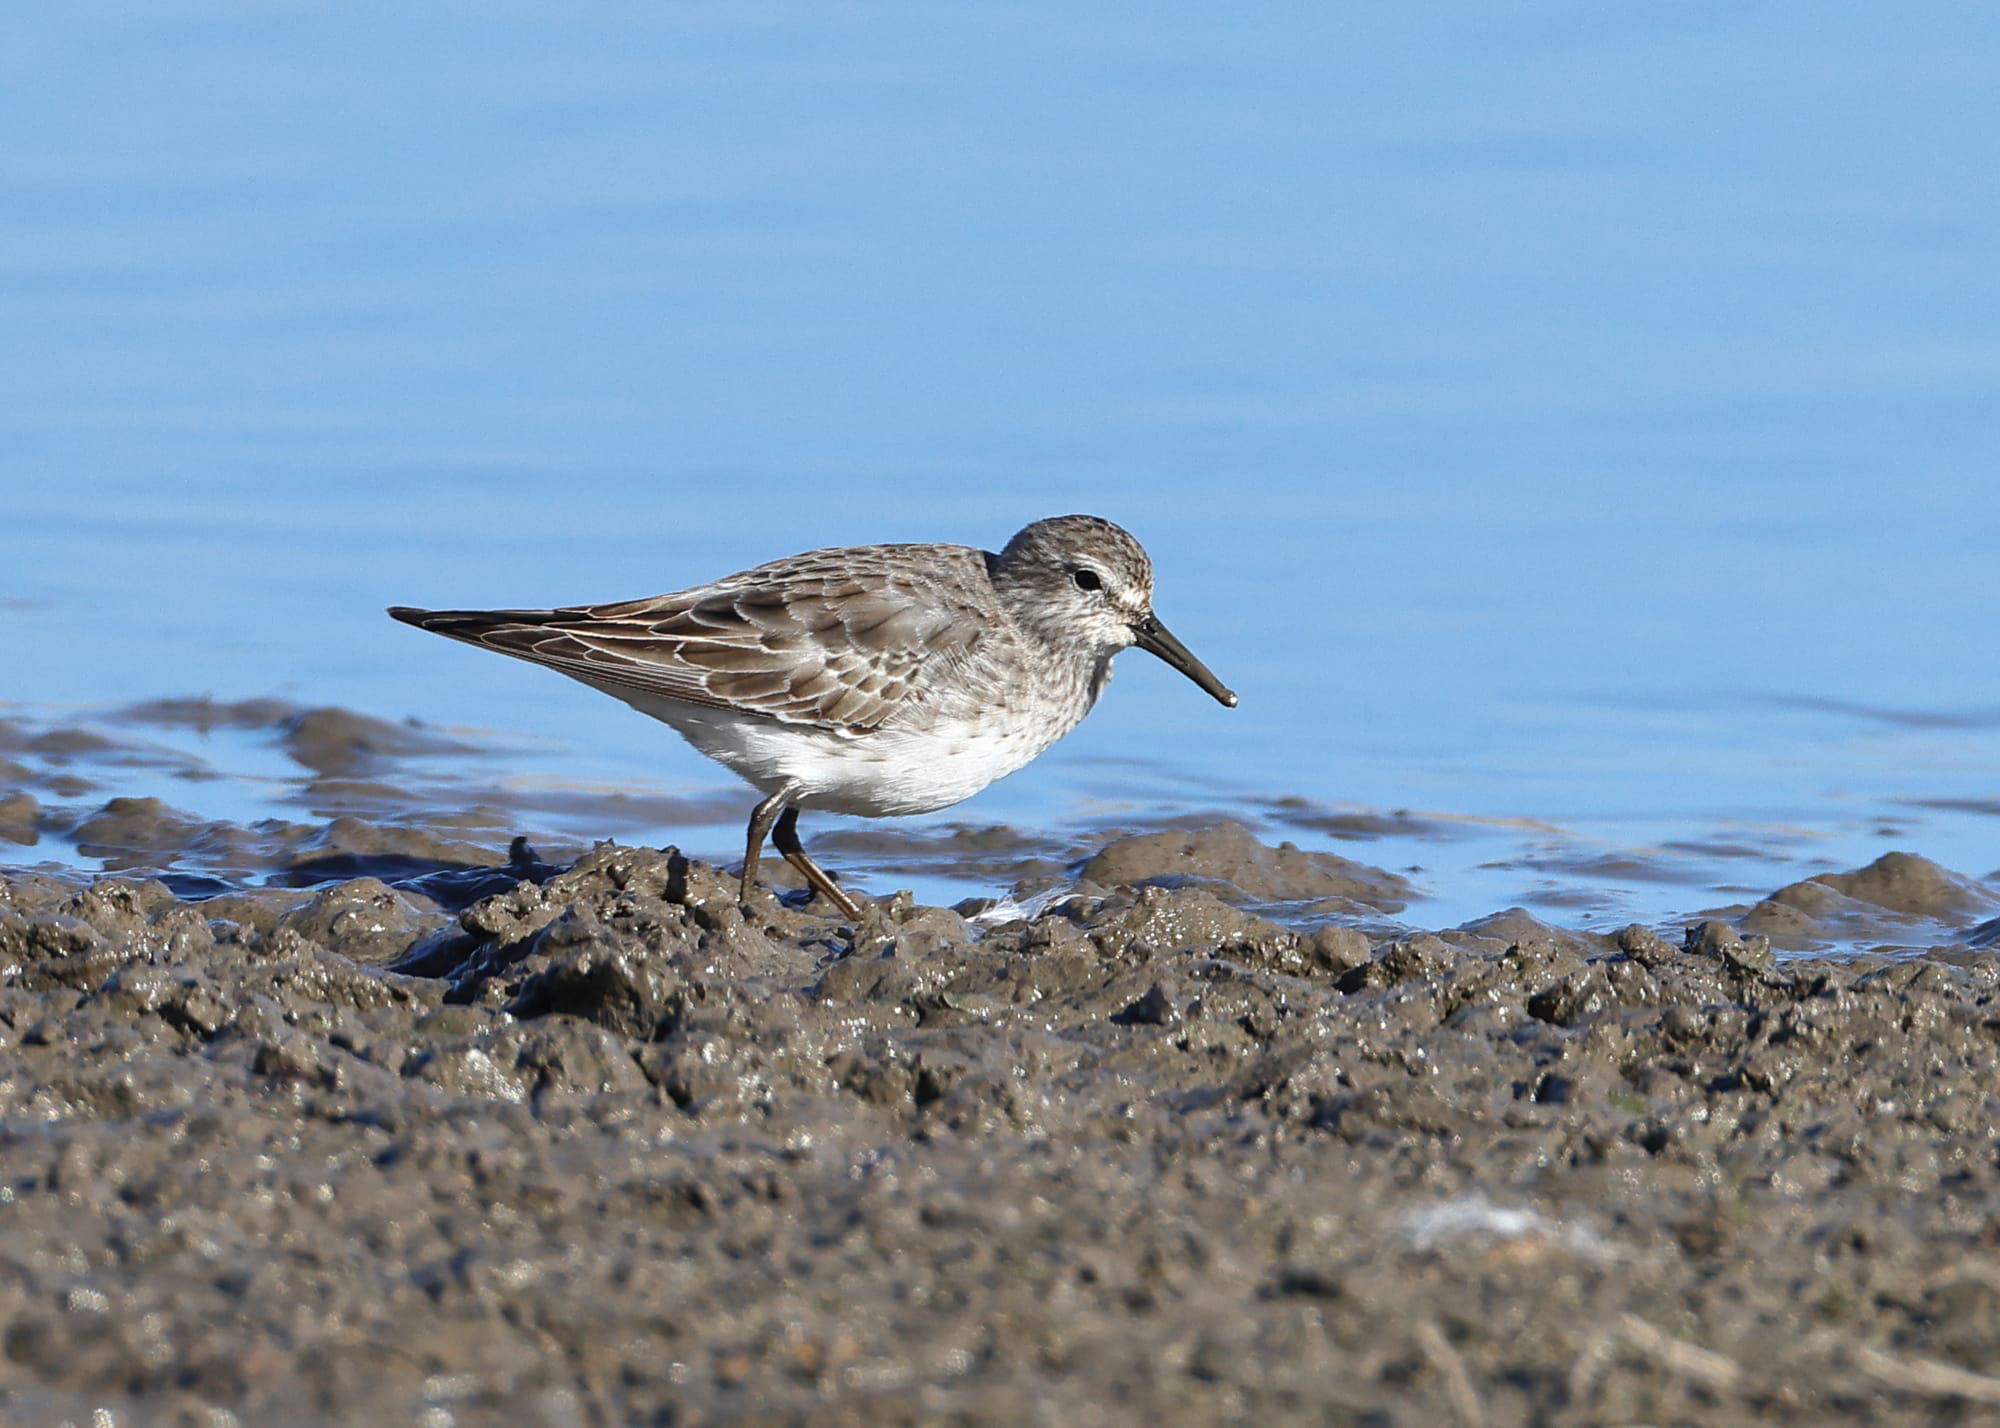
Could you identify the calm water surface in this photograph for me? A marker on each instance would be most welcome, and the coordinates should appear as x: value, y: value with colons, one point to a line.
x: 1576, y: 426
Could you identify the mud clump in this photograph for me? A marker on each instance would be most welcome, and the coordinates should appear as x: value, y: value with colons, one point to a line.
x: 1898, y: 901
x: 1227, y: 853
x: 19, y: 813
x: 340, y: 742
x: 592, y: 1143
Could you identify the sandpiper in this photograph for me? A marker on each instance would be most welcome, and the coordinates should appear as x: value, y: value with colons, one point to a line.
x: 877, y: 679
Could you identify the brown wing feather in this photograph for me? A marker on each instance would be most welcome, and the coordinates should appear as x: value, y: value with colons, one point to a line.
x: 830, y: 638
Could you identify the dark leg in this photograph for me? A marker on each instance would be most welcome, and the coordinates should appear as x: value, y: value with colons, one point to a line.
x: 760, y: 824
x: 785, y: 838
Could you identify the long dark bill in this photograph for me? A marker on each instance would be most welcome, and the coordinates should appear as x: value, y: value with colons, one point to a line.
x: 1155, y: 638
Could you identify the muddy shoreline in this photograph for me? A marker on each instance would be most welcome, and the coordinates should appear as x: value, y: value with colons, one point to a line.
x: 349, y: 1120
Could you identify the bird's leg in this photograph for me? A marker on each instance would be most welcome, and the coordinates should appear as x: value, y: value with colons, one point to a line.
x: 760, y: 824
x: 785, y: 838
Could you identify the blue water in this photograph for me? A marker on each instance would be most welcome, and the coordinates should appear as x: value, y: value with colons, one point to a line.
x: 1580, y: 416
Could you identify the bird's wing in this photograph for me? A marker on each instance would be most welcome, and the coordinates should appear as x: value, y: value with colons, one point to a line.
x: 833, y: 638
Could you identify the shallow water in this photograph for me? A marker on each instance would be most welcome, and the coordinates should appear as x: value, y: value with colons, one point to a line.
x: 216, y: 798
x: 1576, y: 436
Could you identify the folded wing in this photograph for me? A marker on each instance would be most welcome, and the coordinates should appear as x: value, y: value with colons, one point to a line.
x: 810, y: 640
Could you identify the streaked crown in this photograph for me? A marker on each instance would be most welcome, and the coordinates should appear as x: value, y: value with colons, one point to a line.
x: 1060, y: 545
x: 1077, y: 581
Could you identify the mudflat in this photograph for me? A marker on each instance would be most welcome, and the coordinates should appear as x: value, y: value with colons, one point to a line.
x: 374, y: 1122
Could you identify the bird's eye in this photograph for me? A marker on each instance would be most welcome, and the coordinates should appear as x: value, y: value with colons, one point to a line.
x: 1087, y: 580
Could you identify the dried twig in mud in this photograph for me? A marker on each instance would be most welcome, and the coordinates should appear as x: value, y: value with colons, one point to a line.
x: 1928, y: 1376
x: 1972, y: 1271
x: 1690, y: 1361
x: 1451, y: 1368
x: 1590, y: 1360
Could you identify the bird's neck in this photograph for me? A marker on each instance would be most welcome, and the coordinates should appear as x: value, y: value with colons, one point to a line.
x: 1070, y: 664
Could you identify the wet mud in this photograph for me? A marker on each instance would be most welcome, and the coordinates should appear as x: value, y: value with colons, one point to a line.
x: 352, y: 1119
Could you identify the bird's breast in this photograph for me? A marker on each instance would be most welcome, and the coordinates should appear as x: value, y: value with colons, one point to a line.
x: 900, y: 771
x: 945, y: 752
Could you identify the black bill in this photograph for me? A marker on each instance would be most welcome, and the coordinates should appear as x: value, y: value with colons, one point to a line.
x: 1155, y: 638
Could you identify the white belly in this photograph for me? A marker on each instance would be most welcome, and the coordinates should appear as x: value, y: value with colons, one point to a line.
x: 883, y: 774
